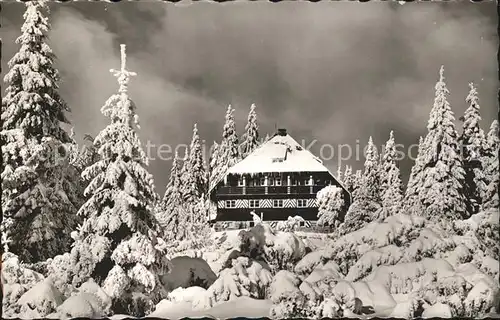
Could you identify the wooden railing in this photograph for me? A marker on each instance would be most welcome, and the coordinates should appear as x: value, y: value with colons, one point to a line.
x: 260, y: 190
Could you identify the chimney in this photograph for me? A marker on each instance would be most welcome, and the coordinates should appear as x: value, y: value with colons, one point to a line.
x: 282, y: 132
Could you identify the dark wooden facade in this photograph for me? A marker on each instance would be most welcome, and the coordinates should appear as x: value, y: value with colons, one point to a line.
x: 275, y: 195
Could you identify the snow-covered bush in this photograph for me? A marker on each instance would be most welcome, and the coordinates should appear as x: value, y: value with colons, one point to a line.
x: 324, y: 272
x: 16, y: 280
x: 485, y: 226
x: 281, y: 250
x: 388, y: 255
x: 331, y: 206
x: 90, y: 301
x: 288, y: 300
x: 41, y: 300
x: 246, y: 277
x: 407, y: 277
x: 483, y: 298
x: 312, y: 260
x: 326, y: 297
x: 290, y: 224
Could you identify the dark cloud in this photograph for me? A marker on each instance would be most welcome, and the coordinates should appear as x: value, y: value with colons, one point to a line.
x: 332, y: 71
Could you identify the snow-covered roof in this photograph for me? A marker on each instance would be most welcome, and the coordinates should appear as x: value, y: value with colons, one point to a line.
x: 281, y: 153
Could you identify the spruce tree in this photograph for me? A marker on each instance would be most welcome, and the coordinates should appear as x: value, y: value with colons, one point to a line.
x: 117, y: 243
x: 356, y: 183
x: 213, y: 162
x: 349, y: 179
x: 194, y: 180
x: 472, y: 141
x: 230, y: 144
x: 391, y: 190
x: 443, y: 176
x: 38, y: 203
x: 171, y: 214
x: 366, y: 206
x: 490, y: 163
x: 370, y: 182
x: 251, y: 136
x: 412, y: 203
x: 339, y: 173
x: 228, y: 151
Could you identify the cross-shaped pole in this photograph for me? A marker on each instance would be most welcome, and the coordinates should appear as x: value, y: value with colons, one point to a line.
x: 123, y: 75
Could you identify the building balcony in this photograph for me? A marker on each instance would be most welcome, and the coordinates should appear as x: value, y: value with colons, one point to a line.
x: 260, y: 190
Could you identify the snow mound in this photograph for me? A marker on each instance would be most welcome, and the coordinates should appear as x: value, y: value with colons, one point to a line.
x: 321, y: 272
x: 186, y: 272
x: 243, y: 307
x: 310, y: 261
x: 439, y: 310
x: 81, y: 305
x: 373, y: 295
x: 42, y: 299
x: 185, y: 294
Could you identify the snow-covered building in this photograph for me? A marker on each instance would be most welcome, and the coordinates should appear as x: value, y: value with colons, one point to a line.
x: 277, y: 180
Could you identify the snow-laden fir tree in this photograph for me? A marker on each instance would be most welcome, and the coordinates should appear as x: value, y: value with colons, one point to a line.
x: 228, y: 150
x: 367, y: 204
x: 38, y: 207
x: 229, y: 145
x: 356, y: 182
x: 391, y: 187
x: 213, y: 161
x: 87, y: 152
x: 339, y: 173
x: 370, y: 182
x: 194, y: 178
x: 267, y: 138
x: 172, y: 214
x: 117, y: 244
x: 251, y: 136
x: 412, y: 203
x: 331, y: 206
x: 443, y: 176
x: 348, y: 179
x: 490, y: 163
x: 472, y: 142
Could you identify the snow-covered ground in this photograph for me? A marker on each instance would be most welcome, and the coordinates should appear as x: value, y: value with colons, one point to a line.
x: 403, y: 267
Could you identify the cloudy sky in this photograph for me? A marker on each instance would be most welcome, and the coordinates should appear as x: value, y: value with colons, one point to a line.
x: 334, y: 72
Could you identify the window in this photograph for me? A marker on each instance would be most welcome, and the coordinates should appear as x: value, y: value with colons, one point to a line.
x: 254, y: 204
x: 306, y: 182
x: 262, y: 181
x: 241, y: 182
x: 230, y: 203
x: 271, y: 182
x: 277, y: 181
x: 278, y: 203
x: 301, y: 203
